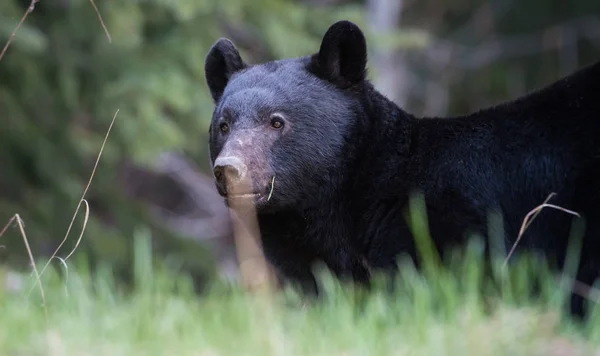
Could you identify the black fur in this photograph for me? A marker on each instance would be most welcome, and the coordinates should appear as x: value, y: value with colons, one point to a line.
x: 222, y: 61
x: 348, y: 159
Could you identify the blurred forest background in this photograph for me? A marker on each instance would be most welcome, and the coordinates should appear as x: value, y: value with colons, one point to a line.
x: 61, y: 82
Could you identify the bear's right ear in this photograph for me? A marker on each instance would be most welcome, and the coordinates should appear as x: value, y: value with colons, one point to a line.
x: 222, y: 61
x: 342, y: 57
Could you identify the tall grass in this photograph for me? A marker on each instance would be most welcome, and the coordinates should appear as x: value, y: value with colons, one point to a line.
x: 446, y: 309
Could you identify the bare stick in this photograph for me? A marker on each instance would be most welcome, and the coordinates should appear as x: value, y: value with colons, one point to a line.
x: 101, y: 21
x: 527, y: 222
x: 14, y: 33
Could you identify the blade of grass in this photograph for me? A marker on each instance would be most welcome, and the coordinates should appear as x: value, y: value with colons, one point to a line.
x: 82, y: 200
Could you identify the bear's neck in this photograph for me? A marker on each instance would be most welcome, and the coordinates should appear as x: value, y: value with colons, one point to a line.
x: 333, y: 230
x: 377, y: 186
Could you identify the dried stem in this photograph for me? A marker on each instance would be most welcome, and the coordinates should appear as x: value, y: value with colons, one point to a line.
x: 101, y: 21
x: 19, y: 221
x: 528, y: 219
x: 82, y: 200
x: 14, y: 33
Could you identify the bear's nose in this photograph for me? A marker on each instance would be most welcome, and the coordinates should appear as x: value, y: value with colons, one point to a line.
x: 229, y: 170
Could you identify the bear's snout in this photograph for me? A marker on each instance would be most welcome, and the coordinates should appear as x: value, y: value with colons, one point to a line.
x: 229, y: 172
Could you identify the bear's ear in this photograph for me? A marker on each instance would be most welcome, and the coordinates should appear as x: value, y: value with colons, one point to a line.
x: 222, y: 61
x: 342, y: 57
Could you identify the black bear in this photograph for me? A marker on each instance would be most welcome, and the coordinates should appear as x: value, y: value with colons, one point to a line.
x: 329, y: 162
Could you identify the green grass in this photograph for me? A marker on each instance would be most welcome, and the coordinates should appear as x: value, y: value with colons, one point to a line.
x: 451, y: 311
x: 449, y: 308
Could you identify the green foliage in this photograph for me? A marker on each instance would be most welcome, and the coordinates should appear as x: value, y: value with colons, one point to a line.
x: 62, y: 82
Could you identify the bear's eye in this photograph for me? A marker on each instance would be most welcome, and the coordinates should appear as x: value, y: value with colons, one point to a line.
x: 276, y: 121
x: 224, y: 127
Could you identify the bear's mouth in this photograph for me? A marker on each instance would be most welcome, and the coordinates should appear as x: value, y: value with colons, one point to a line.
x: 245, y: 200
x: 249, y: 197
x: 244, y: 196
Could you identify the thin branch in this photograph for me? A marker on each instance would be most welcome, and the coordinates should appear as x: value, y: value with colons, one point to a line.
x: 101, y: 21
x: 14, y: 33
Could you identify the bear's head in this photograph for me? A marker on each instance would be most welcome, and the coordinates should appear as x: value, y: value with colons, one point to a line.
x: 281, y: 130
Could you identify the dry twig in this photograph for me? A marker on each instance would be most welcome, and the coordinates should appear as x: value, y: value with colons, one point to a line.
x: 101, y: 21
x: 14, y: 33
x: 528, y: 220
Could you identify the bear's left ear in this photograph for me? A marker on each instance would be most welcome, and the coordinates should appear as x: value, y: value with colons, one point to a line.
x: 342, y: 57
x: 222, y: 61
